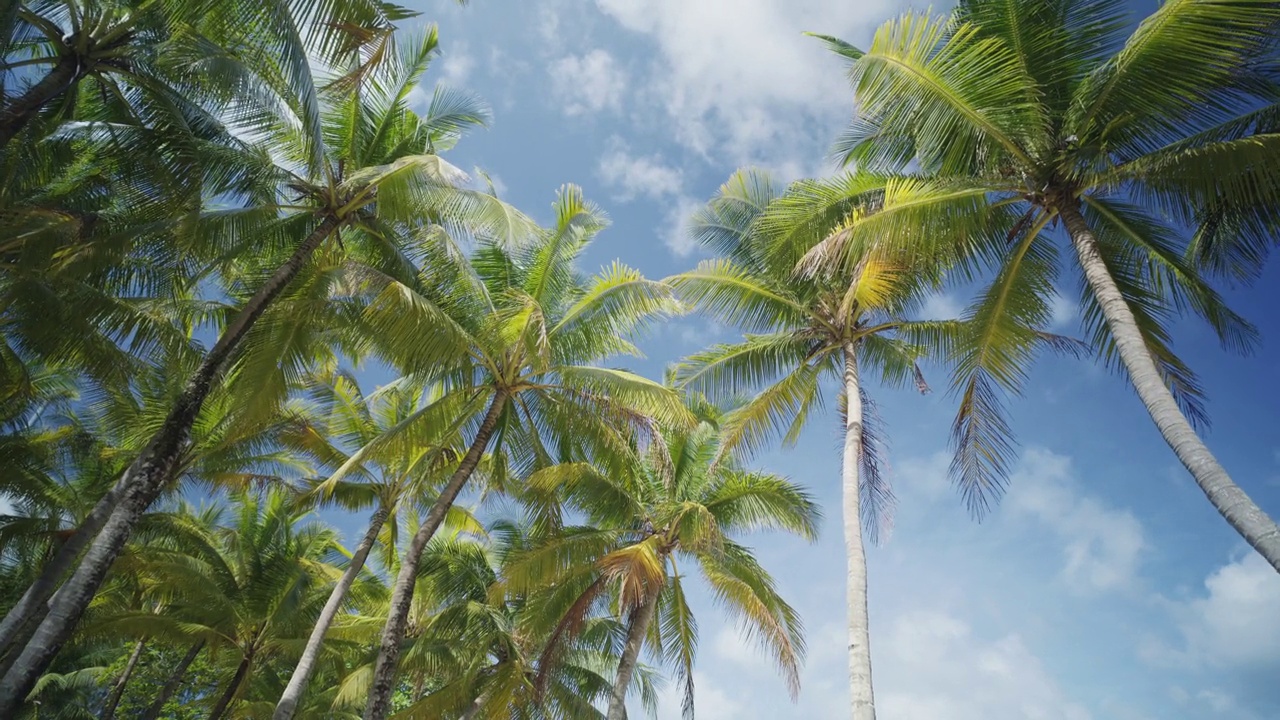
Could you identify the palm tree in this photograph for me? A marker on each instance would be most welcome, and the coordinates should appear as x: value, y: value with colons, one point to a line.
x: 840, y: 324
x: 1040, y: 113
x: 480, y: 652
x: 388, y: 478
x: 362, y: 177
x: 512, y: 333
x: 245, y: 588
x: 688, y: 497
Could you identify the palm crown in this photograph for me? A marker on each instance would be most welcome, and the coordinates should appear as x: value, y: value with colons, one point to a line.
x: 1023, y: 117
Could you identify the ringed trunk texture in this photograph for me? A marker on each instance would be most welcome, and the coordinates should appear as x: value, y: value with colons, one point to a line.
x: 861, y: 698
x: 143, y: 482
x: 306, y: 664
x: 21, y: 620
x: 17, y: 114
x: 384, y: 673
x: 1236, y: 507
x: 117, y: 690
x: 224, y: 702
x: 171, y: 685
x: 641, y: 618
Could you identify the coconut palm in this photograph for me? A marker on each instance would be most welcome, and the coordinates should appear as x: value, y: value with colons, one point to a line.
x: 480, y: 652
x: 688, y: 498
x: 388, y: 478
x: 846, y: 324
x: 246, y: 588
x: 1043, y: 113
x: 513, y: 333
x: 362, y: 177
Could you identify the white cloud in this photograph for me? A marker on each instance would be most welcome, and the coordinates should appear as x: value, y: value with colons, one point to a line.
x: 638, y: 175
x: 738, y: 77
x: 650, y: 176
x: 937, y: 667
x: 457, y: 65
x: 1237, y: 623
x: 1102, y: 546
x: 676, y: 236
x: 588, y: 83
x: 941, y: 306
x: 1062, y: 312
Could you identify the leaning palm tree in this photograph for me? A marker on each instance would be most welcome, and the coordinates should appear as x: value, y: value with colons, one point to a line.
x: 475, y: 652
x: 245, y: 588
x: 513, y: 334
x: 391, y: 478
x: 361, y: 177
x: 1040, y: 113
x: 685, y: 497
x: 841, y: 325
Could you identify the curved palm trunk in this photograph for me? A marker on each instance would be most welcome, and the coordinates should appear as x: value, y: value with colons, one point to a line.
x: 306, y: 664
x: 117, y: 690
x: 224, y: 702
x: 23, y: 618
x: 17, y: 114
x: 636, y: 630
x: 143, y: 482
x: 861, y: 698
x: 384, y: 673
x: 1239, y: 510
x: 171, y: 685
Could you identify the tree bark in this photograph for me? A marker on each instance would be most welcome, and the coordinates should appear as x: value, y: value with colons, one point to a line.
x: 117, y: 690
x: 20, y: 622
x: 861, y: 697
x: 143, y: 482
x: 384, y: 674
x: 1235, y: 506
x: 641, y: 617
x: 306, y: 664
x: 171, y: 685
x: 224, y: 702
x: 18, y: 113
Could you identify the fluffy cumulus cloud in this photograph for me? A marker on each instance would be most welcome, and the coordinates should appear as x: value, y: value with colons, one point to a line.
x: 1235, y: 622
x: 738, y: 76
x: 632, y: 175
x: 1101, y: 545
x: 935, y: 666
x: 588, y: 83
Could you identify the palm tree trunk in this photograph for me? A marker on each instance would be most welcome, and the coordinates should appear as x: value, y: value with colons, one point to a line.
x: 18, y: 113
x: 1239, y: 510
x: 117, y: 691
x: 641, y: 617
x: 224, y: 702
x: 21, y: 620
x: 143, y: 482
x: 171, y: 685
x: 302, y: 673
x: 861, y: 698
x: 384, y: 673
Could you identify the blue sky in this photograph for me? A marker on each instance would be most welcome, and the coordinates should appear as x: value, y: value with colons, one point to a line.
x: 1104, y: 586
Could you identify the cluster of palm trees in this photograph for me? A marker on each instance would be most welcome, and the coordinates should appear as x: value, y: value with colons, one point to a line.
x: 214, y: 210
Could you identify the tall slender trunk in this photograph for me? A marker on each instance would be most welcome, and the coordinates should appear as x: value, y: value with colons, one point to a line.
x: 641, y: 617
x: 224, y: 702
x: 384, y: 673
x: 143, y: 482
x: 21, y: 620
x: 306, y: 664
x: 1239, y: 510
x: 861, y: 697
x: 171, y: 685
x: 117, y: 690
x: 18, y: 113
